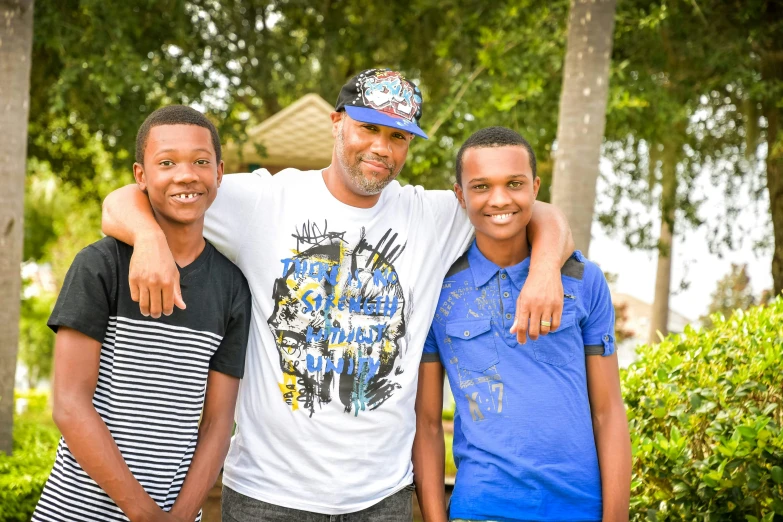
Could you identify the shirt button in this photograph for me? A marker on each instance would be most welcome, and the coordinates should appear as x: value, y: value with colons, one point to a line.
x: 505, y: 294
x: 508, y: 316
x: 466, y: 333
x: 502, y: 276
x: 606, y: 338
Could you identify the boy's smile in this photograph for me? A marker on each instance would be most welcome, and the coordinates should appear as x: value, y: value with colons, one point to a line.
x: 498, y: 191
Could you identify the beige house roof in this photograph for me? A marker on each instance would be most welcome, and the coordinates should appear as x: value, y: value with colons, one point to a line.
x: 298, y: 136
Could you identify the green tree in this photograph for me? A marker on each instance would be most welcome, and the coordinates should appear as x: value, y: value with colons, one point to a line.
x: 733, y: 292
x: 36, y: 339
x: 692, y: 82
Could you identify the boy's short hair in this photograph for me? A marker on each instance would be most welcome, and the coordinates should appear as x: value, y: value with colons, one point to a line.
x: 174, y: 115
x: 495, y: 137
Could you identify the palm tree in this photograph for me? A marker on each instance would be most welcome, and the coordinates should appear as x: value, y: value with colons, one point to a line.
x: 16, y: 37
x: 582, y: 118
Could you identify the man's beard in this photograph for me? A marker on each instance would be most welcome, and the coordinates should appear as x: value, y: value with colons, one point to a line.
x: 363, y: 185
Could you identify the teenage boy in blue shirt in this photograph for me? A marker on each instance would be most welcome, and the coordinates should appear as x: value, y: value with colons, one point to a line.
x: 540, y: 431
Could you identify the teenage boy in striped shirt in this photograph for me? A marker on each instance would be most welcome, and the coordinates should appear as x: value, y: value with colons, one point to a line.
x: 128, y: 389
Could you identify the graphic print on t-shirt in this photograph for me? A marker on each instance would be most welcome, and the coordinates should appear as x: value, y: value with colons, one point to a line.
x: 339, y: 320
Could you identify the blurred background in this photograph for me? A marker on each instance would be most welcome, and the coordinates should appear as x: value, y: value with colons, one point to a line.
x: 656, y: 125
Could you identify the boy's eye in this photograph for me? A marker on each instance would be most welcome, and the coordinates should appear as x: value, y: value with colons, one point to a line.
x: 515, y: 184
x: 202, y: 162
x: 479, y: 187
x: 399, y: 136
x: 166, y: 163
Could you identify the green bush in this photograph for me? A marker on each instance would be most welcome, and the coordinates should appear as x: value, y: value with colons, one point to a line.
x: 23, y: 474
x: 705, y: 416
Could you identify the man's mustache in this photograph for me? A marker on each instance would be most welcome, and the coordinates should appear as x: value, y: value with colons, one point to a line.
x: 378, y: 159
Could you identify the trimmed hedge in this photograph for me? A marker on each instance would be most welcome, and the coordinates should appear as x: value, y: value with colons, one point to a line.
x: 23, y: 475
x: 705, y: 413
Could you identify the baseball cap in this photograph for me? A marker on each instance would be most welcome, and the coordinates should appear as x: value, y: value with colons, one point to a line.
x: 383, y: 97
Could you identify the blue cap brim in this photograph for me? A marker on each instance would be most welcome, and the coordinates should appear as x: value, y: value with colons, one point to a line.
x: 367, y: 115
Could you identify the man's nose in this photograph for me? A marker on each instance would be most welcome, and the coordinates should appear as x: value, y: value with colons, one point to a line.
x: 381, y: 145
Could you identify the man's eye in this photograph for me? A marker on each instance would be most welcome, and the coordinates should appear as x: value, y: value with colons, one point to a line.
x: 515, y: 184
x: 399, y: 136
x: 202, y: 162
x: 479, y: 187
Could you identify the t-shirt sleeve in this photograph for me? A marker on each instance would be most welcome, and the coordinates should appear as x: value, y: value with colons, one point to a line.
x: 430, y: 353
x: 451, y: 221
x: 87, y: 294
x: 229, y: 358
x: 235, y: 205
x: 598, y: 326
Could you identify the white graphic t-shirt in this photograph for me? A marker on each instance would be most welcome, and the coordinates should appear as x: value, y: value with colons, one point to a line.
x: 343, y: 298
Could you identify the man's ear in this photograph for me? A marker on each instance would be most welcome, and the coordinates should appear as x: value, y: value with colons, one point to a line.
x: 460, y: 194
x: 140, y: 177
x: 220, y: 172
x: 536, y: 186
x: 337, y: 117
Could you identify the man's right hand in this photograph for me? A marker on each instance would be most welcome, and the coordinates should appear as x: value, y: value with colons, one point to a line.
x: 154, y: 277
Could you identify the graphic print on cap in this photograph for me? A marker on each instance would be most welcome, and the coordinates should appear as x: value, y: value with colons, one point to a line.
x: 389, y: 92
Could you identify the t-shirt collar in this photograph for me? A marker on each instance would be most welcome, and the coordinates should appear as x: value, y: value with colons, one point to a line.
x: 484, y: 270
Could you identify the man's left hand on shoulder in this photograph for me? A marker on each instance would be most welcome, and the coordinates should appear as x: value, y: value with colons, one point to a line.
x: 539, y: 305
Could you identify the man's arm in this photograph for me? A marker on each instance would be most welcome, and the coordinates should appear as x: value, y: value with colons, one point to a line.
x: 428, y: 446
x: 541, y: 298
x: 214, y: 435
x: 76, y: 364
x: 612, y: 439
x: 153, y: 276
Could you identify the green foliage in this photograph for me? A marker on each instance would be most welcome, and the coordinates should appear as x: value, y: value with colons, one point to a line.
x: 36, y: 339
x: 23, y: 475
x: 733, y: 292
x: 705, y: 418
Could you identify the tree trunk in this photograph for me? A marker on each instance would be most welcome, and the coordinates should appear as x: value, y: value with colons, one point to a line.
x: 16, y: 37
x: 582, y: 118
x: 772, y: 69
x: 660, y: 309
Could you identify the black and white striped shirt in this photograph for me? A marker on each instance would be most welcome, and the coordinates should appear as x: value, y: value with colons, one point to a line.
x: 153, y: 372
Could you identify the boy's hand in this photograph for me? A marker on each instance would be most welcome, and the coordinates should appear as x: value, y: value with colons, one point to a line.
x: 154, y: 277
x: 541, y: 299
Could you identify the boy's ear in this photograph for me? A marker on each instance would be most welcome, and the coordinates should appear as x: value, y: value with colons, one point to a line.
x: 220, y: 168
x: 140, y: 177
x: 536, y: 186
x: 460, y: 194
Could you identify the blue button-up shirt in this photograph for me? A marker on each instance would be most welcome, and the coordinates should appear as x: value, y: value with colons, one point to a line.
x: 523, y: 434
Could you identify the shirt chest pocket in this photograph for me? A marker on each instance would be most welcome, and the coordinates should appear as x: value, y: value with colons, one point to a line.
x: 473, y: 343
x: 559, y: 348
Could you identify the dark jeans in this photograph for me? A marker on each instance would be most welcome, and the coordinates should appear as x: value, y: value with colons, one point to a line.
x: 239, y: 508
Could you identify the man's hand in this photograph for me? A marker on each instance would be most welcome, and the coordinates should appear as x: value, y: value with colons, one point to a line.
x: 154, y: 277
x: 541, y: 299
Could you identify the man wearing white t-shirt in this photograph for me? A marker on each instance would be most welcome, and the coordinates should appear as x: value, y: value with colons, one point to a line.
x: 345, y: 266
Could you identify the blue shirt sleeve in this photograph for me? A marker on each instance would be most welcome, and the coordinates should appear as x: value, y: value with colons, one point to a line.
x: 430, y: 353
x: 598, y: 325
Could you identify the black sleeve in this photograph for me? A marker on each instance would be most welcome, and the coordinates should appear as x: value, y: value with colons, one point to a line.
x: 229, y: 358
x: 85, y: 300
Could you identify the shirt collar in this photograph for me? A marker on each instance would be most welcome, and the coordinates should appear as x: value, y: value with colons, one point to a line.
x: 484, y: 270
